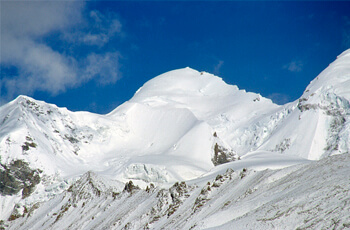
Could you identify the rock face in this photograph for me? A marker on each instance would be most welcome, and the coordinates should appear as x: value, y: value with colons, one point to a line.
x: 18, y: 176
x: 165, y: 147
x: 223, y: 155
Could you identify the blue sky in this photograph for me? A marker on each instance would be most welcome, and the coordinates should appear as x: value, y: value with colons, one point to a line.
x: 94, y: 55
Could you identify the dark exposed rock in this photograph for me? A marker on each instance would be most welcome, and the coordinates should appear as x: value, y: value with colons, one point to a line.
x: 283, y: 146
x: 169, y: 200
x: 130, y: 187
x: 178, y: 193
x: 27, y: 145
x: 222, y: 155
x: 243, y: 173
x: 87, y: 187
x: 71, y: 139
x: 335, y: 128
x: 150, y: 188
x: 17, y: 176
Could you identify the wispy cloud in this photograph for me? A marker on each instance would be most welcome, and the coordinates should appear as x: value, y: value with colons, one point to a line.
x: 294, y: 66
x: 103, y: 68
x: 99, y: 30
x: 218, y: 67
x: 39, y: 65
x: 279, y: 98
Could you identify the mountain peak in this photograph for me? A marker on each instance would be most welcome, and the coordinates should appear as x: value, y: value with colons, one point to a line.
x: 24, y: 97
x: 184, y: 82
x: 21, y: 99
x: 335, y: 79
x: 204, y: 94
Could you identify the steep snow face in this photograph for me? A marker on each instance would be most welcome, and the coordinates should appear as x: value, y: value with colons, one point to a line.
x: 335, y: 79
x: 315, y: 126
x: 329, y: 95
x: 318, y: 124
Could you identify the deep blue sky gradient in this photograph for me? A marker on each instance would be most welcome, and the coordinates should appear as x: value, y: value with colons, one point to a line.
x: 249, y: 44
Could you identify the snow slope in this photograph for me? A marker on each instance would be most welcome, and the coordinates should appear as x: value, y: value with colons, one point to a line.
x: 180, y: 126
x: 309, y: 196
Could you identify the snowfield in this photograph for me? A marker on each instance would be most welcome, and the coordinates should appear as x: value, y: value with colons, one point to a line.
x: 187, y: 151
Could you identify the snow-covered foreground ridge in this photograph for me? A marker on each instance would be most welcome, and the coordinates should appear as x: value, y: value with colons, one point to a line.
x: 312, y: 196
x: 183, y: 125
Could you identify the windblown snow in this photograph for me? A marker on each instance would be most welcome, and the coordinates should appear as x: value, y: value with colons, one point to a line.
x: 187, y: 151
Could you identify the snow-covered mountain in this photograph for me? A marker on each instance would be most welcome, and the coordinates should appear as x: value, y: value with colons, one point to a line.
x: 154, y: 161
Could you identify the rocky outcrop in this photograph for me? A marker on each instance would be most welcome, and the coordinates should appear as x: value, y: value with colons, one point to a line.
x: 222, y: 155
x: 18, y: 176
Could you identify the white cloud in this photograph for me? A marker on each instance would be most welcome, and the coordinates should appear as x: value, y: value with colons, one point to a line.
x: 37, y: 18
x: 24, y: 27
x: 39, y: 67
x: 294, y: 66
